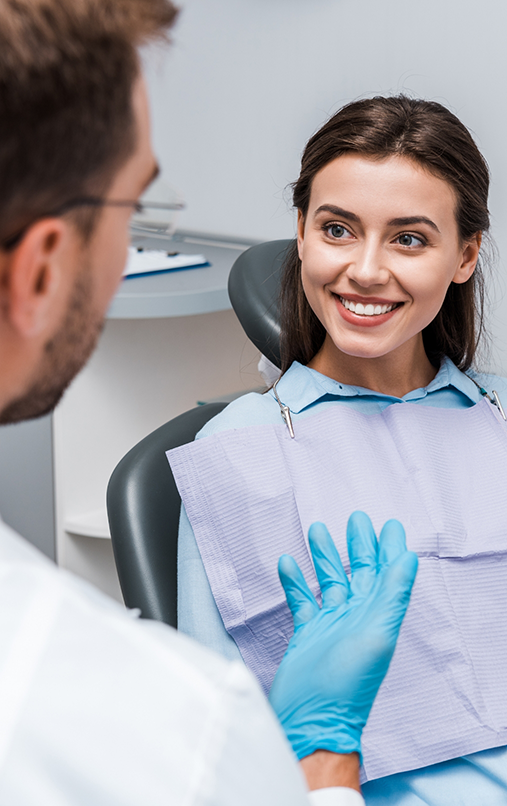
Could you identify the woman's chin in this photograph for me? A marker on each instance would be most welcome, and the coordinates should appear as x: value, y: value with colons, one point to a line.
x: 342, y: 348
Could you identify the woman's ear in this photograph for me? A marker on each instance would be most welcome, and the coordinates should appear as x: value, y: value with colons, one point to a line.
x: 33, y: 277
x: 470, y: 256
x: 301, y: 234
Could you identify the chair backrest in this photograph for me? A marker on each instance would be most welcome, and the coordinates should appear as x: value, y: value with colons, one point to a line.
x: 143, y: 503
x: 254, y: 288
x: 143, y: 507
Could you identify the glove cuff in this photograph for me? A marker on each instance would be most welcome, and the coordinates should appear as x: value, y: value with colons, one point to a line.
x: 344, y: 742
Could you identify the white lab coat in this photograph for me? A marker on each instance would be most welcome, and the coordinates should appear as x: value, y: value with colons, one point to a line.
x: 100, y: 708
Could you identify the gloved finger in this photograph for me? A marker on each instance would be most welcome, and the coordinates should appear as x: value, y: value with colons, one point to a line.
x: 393, y: 593
x: 391, y: 542
x: 301, y: 601
x: 328, y: 566
x: 363, y: 553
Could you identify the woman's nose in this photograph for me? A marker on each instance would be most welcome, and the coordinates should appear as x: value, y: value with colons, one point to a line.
x: 369, y: 266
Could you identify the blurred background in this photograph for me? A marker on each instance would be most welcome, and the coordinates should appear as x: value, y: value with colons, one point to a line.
x: 247, y: 82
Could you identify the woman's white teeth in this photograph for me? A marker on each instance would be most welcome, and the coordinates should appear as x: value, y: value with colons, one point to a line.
x: 366, y: 310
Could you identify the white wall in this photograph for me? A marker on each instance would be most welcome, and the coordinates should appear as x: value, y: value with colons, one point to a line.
x: 248, y: 81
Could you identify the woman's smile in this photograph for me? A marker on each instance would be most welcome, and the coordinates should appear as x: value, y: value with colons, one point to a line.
x: 365, y: 311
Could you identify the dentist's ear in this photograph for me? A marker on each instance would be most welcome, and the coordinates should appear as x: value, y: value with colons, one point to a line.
x: 469, y: 260
x: 32, y: 277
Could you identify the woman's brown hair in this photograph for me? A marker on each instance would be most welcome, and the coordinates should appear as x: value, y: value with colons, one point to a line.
x: 429, y: 134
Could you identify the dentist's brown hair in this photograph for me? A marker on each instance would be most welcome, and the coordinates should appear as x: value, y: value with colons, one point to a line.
x: 67, y: 69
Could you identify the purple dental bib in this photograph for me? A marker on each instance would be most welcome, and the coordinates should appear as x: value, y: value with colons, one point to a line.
x: 251, y: 494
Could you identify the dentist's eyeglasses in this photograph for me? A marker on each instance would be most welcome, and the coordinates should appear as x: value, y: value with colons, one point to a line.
x: 149, y: 217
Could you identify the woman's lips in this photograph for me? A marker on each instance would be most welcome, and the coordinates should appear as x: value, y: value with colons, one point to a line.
x: 366, y: 314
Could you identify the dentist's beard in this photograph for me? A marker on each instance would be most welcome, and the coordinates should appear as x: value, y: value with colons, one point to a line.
x: 64, y: 355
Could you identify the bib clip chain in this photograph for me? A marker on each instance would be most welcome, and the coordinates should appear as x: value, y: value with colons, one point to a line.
x: 495, y: 400
x: 285, y: 412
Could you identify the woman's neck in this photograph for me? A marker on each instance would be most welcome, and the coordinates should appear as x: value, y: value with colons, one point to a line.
x: 395, y: 374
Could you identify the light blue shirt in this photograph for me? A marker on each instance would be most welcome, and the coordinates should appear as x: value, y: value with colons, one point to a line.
x: 478, y: 779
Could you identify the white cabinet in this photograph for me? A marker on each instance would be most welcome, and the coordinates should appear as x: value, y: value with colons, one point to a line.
x: 169, y: 341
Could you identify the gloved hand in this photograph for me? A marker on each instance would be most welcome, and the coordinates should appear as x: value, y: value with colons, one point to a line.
x: 339, y: 654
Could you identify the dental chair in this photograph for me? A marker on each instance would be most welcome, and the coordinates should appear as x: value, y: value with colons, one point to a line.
x: 143, y: 503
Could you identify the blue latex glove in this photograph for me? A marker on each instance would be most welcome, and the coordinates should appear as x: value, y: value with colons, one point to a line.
x: 339, y: 654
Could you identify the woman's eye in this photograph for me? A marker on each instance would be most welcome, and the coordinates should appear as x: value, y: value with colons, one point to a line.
x: 409, y: 240
x: 337, y: 231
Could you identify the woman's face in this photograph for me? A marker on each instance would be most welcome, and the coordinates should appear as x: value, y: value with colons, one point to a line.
x: 379, y: 247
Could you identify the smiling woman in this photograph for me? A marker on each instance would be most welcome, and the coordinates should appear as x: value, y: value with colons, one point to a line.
x: 373, y: 283
x: 408, y: 165
x: 382, y: 410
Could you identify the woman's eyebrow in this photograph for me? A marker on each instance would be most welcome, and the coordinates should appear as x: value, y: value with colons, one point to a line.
x: 337, y: 211
x: 414, y: 219
x: 404, y: 221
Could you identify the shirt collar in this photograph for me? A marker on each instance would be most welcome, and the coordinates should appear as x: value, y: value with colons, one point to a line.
x: 301, y: 386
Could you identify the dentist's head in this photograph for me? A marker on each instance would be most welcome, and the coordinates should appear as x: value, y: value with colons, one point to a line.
x: 74, y: 137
